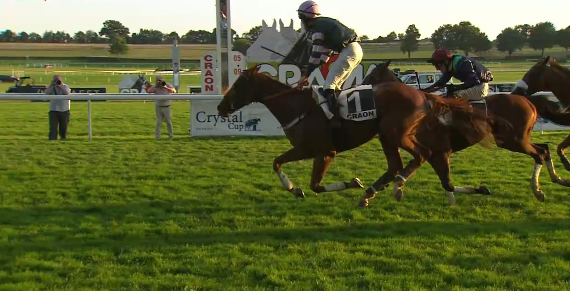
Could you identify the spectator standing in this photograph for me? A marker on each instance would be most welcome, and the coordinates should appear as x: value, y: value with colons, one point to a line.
x: 162, y: 107
x: 59, y: 110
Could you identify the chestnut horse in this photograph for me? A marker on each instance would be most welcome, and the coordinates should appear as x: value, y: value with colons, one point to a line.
x: 548, y: 75
x: 399, y: 111
x: 514, y: 117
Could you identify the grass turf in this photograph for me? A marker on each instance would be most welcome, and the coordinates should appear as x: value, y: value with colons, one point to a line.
x: 126, y: 212
x: 195, y: 52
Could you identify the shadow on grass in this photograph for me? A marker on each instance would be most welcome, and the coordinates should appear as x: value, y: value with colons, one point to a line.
x: 80, y: 237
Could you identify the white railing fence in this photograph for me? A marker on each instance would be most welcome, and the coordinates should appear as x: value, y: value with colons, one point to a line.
x: 204, y: 104
x: 95, y: 97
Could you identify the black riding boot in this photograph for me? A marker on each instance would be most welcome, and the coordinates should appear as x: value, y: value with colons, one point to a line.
x: 333, y: 107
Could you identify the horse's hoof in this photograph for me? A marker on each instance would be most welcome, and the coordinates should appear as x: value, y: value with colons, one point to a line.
x: 484, y: 190
x: 299, y: 192
x: 398, y: 194
x: 356, y: 183
x: 363, y: 203
x: 451, y: 198
x: 539, y: 195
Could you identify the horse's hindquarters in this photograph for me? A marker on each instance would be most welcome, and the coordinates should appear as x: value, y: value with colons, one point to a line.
x: 511, y: 112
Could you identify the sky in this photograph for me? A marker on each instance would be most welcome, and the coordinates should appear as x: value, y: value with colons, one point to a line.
x: 366, y: 17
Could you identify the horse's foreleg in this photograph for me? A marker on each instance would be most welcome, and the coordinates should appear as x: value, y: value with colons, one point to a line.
x: 321, y: 164
x: 294, y: 154
x: 440, y: 164
x: 560, y: 150
x: 410, y: 169
x: 395, y: 165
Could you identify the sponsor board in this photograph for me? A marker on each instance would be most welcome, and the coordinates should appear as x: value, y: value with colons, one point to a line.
x: 253, y: 119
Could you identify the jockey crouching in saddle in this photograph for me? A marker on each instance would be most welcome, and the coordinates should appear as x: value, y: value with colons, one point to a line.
x: 330, y: 35
x: 474, y: 75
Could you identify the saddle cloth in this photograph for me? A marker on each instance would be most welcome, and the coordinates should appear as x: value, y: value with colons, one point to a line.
x: 355, y: 103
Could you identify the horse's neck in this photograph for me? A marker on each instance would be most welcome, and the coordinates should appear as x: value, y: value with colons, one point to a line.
x: 287, y: 106
x: 557, y: 84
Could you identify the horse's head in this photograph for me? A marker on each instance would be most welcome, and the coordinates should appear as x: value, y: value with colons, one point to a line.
x: 380, y: 74
x: 535, y: 78
x: 242, y: 93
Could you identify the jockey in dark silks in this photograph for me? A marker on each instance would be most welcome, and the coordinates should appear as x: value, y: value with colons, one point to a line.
x: 328, y: 35
x: 474, y: 75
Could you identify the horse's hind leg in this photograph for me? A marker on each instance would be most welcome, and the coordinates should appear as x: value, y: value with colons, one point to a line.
x: 560, y: 150
x: 440, y: 164
x: 321, y: 164
x: 294, y: 154
x: 395, y: 165
x: 550, y: 166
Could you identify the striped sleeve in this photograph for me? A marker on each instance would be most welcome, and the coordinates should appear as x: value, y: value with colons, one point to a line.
x: 319, y: 53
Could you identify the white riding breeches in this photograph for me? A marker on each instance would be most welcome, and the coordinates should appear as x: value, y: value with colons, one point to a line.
x: 474, y: 93
x: 340, y: 70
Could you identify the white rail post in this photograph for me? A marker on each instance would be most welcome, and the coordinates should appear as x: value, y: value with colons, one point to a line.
x: 89, y: 118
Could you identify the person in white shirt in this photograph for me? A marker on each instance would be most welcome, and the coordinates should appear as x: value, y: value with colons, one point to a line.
x: 58, y: 109
x: 162, y: 107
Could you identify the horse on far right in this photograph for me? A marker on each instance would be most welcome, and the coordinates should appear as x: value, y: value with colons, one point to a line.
x: 549, y: 75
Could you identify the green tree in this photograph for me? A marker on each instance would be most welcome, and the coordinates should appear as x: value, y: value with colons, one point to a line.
x: 34, y: 37
x: 444, y: 37
x: 466, y: 35
x: 481, y: 43
x: 196, y: 37
x: 392, y: 36
x: 118, y: 46
x: 23, y: 37
x: 93, y: 37
x: 241, y: 45
x: 542, y: 36
x: 524, y: 30
x: 7, y: 36
x: 410, y: 41
x: 563, y: 38
x: 171, y: 37
x: 114, y: 28
x: 49, y: 36
x: 510, y: 40
x: 79, y: 37
x: 253, y: 33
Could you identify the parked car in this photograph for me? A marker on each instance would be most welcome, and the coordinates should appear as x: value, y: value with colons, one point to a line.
x: 8, y: 79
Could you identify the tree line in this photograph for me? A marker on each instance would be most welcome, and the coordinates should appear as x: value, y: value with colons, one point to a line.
x: 464, y: 37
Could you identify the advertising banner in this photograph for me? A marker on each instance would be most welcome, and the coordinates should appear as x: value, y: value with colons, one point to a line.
x: 252, y: 120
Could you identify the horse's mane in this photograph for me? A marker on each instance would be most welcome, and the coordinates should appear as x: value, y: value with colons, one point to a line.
x: 562, y: 69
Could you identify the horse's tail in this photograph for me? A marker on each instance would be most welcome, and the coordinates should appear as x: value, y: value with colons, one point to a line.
x: 457, y: 113
x: 550, y: 110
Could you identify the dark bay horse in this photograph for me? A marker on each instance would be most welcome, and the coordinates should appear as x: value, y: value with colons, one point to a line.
x: 548, y: 75
x: 393, y: 111
x: 512, y: 131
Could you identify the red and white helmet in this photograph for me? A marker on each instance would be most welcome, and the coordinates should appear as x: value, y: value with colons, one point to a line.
x: 439, y: 56
x: 309, y: 9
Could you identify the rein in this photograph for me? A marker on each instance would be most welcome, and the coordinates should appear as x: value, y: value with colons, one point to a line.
x: 281, y: 93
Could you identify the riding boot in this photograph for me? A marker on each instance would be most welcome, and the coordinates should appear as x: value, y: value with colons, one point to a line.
x: 333, y: 107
